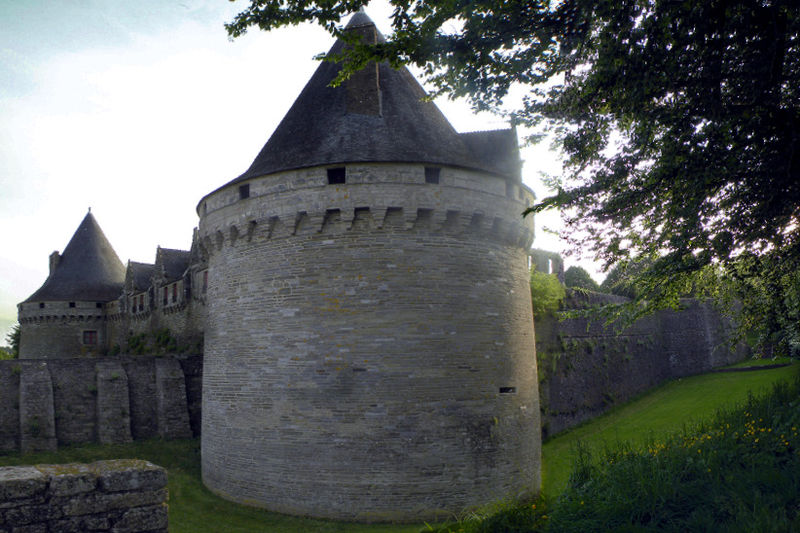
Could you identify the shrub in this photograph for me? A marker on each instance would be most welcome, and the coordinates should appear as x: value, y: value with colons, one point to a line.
x: 547, y: 293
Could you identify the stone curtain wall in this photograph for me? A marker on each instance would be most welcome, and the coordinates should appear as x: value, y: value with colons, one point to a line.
x: 124, y: 496
x: 585, y: 368
x: 44, y: 404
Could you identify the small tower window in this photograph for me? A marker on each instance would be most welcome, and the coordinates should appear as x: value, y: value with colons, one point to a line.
x: 98, y: 305
x: 244, y: 191
x: 72, y: 304
x: 90, y: 338
x: 166, y: 294
x: 432, y: 174
x: 336, y: 175
x: 174, y: 293
x: 41, y: 305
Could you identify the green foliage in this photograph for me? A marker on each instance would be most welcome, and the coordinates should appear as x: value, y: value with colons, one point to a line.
x: 678, y: 121
x: 658, y: 413
x: 12, y: 352
x: 137, y: 344
x: 159, y: 342
x: 547, y: 293
x: 577, y: 277
x: 737, y: 471
x: 623, y: 277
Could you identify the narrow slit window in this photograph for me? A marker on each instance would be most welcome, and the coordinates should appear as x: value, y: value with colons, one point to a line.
x: 508, y: 390
x: 336, y: 175
x: 432, y: 174
x: 244, y: 191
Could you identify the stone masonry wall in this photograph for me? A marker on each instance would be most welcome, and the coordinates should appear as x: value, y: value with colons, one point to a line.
x: 44, y: 404
x: 185, y: 322
x: 56, y: 330
x: 124, y: 496
x: 586, y: 368
x: 369, y: 346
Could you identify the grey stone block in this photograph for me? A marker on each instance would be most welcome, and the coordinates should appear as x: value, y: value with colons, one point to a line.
x: 151, y: 519
x: 20, y: 482
x: 127, y: 475
x: 66, y: 480
x: 96, y: 502
x: 81, y: 524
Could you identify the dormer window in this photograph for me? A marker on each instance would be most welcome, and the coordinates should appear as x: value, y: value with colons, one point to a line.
x: 244, y: 191
x: 432, y: 174
x: 336, y: 175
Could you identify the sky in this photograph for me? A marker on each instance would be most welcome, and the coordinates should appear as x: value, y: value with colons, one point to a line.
x: 139, y: 109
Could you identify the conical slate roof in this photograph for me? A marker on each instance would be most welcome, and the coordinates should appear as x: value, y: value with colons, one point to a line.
x: 377, y: 115
x: 88, y: 270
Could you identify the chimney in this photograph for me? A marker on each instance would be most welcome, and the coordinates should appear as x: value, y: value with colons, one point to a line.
x: 363, y: 87
x: 55, y: 257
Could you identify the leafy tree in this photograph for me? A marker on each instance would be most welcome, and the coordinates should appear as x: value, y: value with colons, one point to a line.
x: 546, y: 293
x: 13, y: 341
x: 623, y: 277
x: 679, y: 120
x: 577, y: 277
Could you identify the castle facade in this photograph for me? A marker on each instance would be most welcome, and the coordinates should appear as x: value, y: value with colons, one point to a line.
x: 362, y: 292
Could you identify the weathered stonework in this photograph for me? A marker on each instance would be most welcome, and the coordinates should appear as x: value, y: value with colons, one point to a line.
x: 44, y: 404
x: 126, y: 495
x: 587, y: 368
x: 369, y: 346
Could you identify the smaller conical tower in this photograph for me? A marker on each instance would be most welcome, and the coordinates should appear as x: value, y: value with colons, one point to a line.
x: 65, y: 317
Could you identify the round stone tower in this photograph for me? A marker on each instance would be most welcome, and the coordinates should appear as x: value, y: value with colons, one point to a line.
x: 369, y: 348
x: 65, y: 317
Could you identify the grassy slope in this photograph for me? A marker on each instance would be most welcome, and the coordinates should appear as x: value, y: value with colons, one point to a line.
x: 668, y: 408
x: 194, y: 509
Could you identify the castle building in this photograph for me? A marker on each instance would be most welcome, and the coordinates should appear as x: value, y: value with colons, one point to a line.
x: 369, y: 345
x: 361, y: 296
x: 91, y: 304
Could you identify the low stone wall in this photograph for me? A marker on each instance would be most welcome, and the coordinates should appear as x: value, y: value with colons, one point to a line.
x: 44, y: 404
x: 586, y: 368
x: 127, y: 495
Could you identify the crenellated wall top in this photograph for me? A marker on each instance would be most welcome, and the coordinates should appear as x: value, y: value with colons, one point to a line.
x: 374, y: 197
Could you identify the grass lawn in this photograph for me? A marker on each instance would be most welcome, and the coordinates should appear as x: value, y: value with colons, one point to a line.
x: 192, y: 508
x: 666, y: 409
